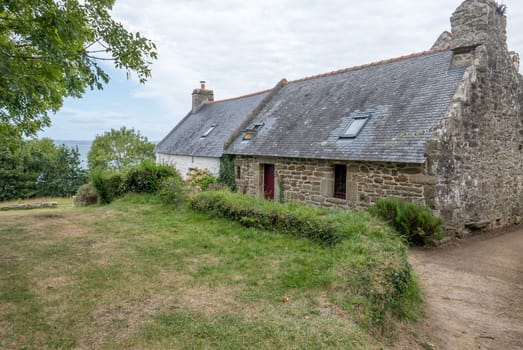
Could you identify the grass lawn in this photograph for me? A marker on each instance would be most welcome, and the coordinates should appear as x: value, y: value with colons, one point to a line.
x: 136, y: 274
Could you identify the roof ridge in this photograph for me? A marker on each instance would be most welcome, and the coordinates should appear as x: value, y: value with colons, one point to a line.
x: 238, y: 97
x: 368, y: 65
x: 281, y: 84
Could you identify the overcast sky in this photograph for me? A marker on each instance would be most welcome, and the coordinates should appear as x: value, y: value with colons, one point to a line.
x: 243, y: 46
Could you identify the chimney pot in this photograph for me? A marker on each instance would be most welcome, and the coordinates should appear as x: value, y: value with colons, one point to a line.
x: 201, y: 96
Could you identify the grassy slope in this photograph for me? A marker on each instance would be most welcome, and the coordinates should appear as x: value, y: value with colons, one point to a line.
x: 138, y: 275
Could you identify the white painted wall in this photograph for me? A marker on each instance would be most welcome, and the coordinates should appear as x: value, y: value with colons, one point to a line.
x: 185, y: 163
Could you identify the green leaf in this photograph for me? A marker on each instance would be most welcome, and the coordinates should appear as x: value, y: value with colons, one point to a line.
x: 49, y: 50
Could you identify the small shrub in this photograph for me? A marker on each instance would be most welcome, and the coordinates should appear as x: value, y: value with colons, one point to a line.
x: 172, y: 190
x: 86, y: 195
x: 147, y: 177
x: 108, y: 184
x: 202, y: 178
x: 414, y: 222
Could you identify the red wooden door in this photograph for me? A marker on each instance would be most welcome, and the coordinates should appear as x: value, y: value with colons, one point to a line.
x: 268, y: 181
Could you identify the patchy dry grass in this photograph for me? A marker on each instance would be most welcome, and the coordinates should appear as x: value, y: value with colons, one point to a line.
x: 62, y: 202
x: 137, y: 275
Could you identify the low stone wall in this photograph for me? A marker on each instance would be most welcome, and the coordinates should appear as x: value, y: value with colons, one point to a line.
x: 312, y: 181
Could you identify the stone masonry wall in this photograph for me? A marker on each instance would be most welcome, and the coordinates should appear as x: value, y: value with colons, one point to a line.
x: 476, y: 153
x: 312, y: 181
x: 521, y: 98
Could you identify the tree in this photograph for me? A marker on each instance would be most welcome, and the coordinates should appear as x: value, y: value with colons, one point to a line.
x: 52, y: 49
x: 119, y: 149
x: 14, y: 181
x: 60, y: 171
x: 36, y: 168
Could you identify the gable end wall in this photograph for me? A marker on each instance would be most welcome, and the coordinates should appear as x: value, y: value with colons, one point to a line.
x: 476, y: 153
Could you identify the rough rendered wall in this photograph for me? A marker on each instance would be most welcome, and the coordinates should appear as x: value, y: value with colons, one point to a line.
x: 184, y: 163
x: 312, y: 181
x: 476, y: 154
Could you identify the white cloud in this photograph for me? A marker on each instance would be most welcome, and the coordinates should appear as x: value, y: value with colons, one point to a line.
x: 242, y: 46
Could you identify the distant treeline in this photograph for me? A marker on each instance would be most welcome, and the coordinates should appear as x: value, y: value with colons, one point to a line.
x: 38, y: 168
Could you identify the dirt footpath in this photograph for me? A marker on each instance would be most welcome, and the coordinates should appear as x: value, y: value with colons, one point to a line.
x: 473, y: 291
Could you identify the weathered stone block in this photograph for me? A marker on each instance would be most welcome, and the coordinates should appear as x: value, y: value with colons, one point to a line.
x: 412, y: 170
x: 327, y: 187
x: 423, y: 179
x: 401, y: 178
x: 352, y: 191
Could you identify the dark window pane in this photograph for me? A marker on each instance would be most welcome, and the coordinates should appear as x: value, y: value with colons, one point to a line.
x: 340, y: 181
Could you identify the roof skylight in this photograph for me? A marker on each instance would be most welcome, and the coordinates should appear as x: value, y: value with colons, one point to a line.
x: 208, y: 131
x: 250, y: 132
x: 354, y: 127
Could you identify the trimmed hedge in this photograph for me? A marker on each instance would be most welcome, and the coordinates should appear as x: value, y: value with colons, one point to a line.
x: 265, y: 215
x: 412, y: 221
x: 374, y: 272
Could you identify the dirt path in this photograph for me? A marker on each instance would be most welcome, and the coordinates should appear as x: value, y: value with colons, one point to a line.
x: 474, y: 293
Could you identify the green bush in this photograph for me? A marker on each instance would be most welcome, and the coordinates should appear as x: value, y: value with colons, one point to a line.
x: 147, y: 177
x: 86, y: 195
x: 414, y: 222
x: 172, y: 190
x: 202, y: 178
x: 108, y: 184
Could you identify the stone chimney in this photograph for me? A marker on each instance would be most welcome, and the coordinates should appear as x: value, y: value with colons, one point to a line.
x: 201, y: 96
x: 478, y: 22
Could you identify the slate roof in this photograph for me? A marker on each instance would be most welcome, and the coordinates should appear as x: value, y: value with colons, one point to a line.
x: 405, y: 99
x: 185, y: 139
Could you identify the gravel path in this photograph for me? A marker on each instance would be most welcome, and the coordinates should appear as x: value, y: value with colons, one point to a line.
x: 473, y: 291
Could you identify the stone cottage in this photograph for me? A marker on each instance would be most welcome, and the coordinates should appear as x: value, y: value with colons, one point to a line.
x: 441, y: 128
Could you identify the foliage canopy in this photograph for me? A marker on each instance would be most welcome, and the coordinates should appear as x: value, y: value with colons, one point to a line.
x: 51, y: 49
x: 116, y: 150
x: 37, y: 168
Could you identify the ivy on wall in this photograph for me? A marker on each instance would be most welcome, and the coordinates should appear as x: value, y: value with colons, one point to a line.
x: 226, y: 175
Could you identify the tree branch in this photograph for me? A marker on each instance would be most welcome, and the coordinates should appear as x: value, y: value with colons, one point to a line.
x: 101, y: 58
